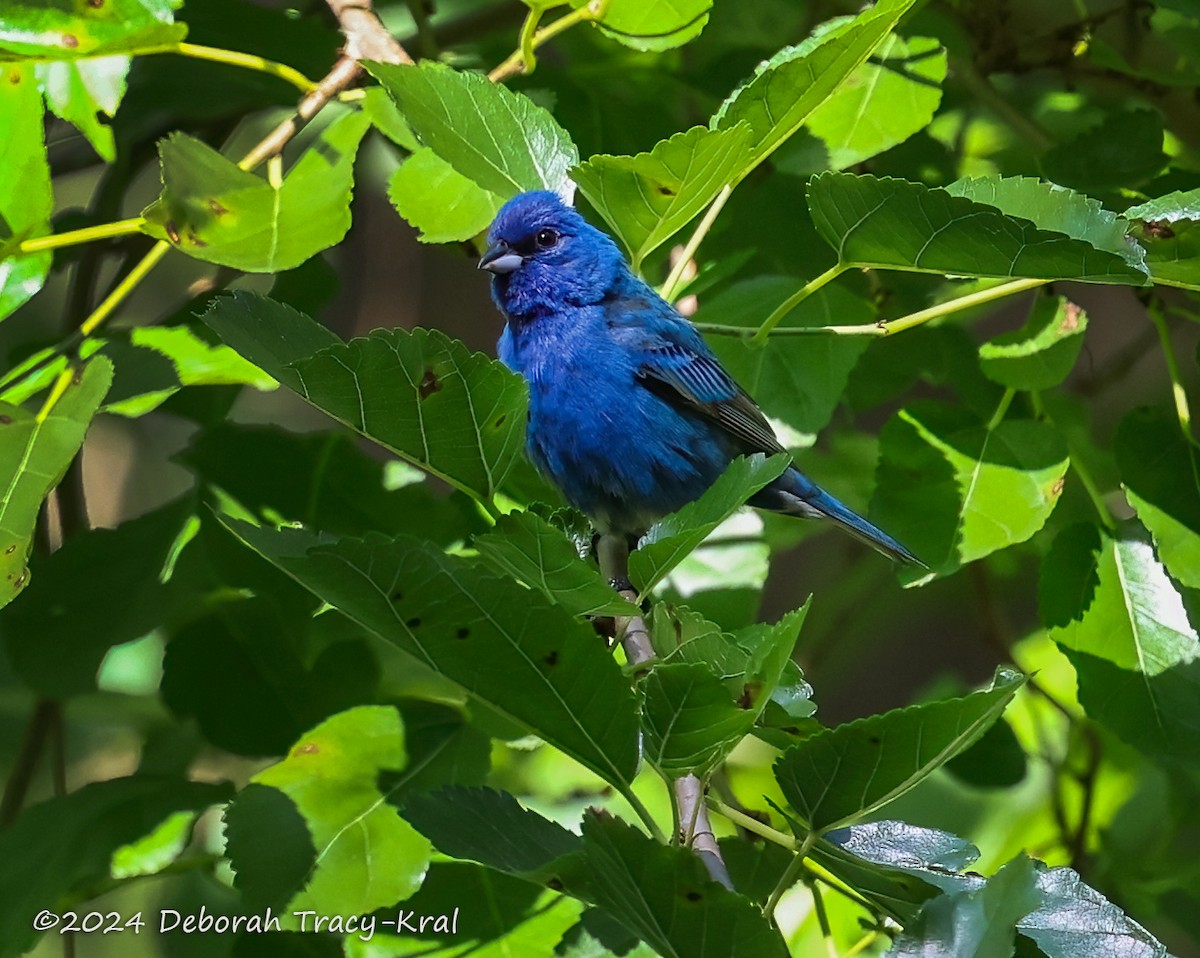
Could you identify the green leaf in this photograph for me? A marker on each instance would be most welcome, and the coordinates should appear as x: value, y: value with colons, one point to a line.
x: 72, y: 840
x: 690, y: 721
x: 1042, y: 352
x: 980, y: 923
x: 1169, y: 229
x: 842, y: 774
x: 443, y: 749
x: 425, y: 396
x: 441, y: 203
x: 665, y: 897
x: 650, y: 197
x: 368, y: 857
x: 249, y: 680
x: 1073, y: 920
x: 797, y: 379
x: 59, y: 31
x: 215, y: 211
x: 35, y: 452
x: 53, y: 636
x: 269, y: 846
x: 673, y: 537
x: 1111, y: 607
x: 526, y: 658
x: 25, y: 197
x: 882, y: 103
x: 1040, y: 233
x: 786, y: 89
x: 653, y: 25
x: 1160, y: 469
x: 491, y: 827
x: 956, y: 491
x: 493, y: 136
x: 80, y: 90
x: 535, y: 552
x: 1123, y: 151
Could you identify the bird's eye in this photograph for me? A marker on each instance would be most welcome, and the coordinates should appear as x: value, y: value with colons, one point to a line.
x: 546, y: 238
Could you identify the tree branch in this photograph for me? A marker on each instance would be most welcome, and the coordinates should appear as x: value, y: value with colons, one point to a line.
x: 695, y: 828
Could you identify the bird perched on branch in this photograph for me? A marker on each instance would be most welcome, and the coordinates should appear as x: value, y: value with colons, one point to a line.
x: 630, y: 413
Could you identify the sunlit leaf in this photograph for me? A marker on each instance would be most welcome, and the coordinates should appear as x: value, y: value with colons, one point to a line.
x: 80, y: 90
x: 1169, y: 229
x: 1042, y: 352
x: 439, y: 201
x: 35, y: 452
x: 653, y: 24
x: 1039, y: 233
x: 499, y: 139
x: 786, y: 89
x: 215, y: 211
x: 57, y: 31
x: 650, y: 197
x: 1111, y: 607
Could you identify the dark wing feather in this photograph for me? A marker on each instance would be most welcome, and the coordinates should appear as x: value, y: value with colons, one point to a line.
x: 700, y: 384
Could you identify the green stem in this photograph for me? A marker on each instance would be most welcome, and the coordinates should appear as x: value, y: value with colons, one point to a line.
x: 822, y: 918
x: 515, y: 62
x: 792, y: 872
x: 86, y: 235
x: 1182, y: 410
x: 674, y: 280
x: 1002, y: 409
x: 124, y: 288
x: 795, y: 300
x: 910, y: 321
x: 750, y: 824
x: 246, y: 61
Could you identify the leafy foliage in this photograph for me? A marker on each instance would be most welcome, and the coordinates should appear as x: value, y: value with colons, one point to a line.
x: 350, y: 604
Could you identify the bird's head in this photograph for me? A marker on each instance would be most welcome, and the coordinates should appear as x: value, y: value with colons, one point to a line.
x: 542, y: 254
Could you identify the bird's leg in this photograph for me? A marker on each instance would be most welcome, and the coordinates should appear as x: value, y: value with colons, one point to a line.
x: 613, y: 553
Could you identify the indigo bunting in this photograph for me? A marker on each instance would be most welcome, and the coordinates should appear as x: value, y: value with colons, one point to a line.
x: 630, y: 414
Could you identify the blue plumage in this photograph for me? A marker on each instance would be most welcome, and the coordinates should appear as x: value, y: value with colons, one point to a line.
x: 631, y: 415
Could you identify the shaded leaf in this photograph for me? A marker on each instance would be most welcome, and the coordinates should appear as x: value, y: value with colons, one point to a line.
x: 518, y: 653
x: 1169, y: 229
x: 1040, y: 233
x: 650, y: 197
x: 73, y: 838
x: 490, y: 827
x: 419, y: 393
x: 786, y: 89
x: 1042, y: 352
x: 268, y: 845
x: 956, y: 491
x: 1111, y: 607
x: 53, y: 636
x: 440, y: 202
x: 1123, y: 151
x: 1160, y: 469
x: 493, y: 136
x: 215, y: 211
x: 35, y: 452
x: 673, y: 537
x: 838, y: 775
x: 367, y: 855
x: 535, y: 552
x: 665, y: 897
x: 980, y: 923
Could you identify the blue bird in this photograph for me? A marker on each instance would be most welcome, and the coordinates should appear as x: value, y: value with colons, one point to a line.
x: 630, y: 414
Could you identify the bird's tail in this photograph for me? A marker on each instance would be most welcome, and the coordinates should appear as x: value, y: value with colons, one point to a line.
x: 795, y: 494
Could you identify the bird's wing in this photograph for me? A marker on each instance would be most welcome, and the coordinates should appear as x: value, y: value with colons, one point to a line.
x: 699, y: 383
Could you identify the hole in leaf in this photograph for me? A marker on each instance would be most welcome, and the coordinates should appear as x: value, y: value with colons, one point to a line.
x: 462, y: 632
x: 429, y: 384
x: 665, y: 190
x: 397, y: 596
x: 694, y: 896
x: 414, y: 622
x: 499, y: 422
x: 873, y: 739
x: 554, y: 883
x: 551, y: 659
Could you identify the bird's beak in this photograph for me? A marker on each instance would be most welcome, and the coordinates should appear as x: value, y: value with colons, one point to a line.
x: 501, y: 259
